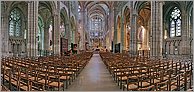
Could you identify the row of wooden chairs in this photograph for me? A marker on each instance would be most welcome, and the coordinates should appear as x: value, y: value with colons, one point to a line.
x: 42, y: 73
x: 145, y: 74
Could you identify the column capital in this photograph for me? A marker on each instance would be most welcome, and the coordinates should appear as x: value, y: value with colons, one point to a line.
x: 83, y: 10
x: 29, y: 2
x: 66, y: 24
x: 111, y: 10
x: 46, y: 27
x: 134, y: 13
x: 161, y: 2
x: 54, y: 15
x: 115, y: 10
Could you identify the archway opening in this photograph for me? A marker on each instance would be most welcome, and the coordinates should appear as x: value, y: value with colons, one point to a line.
x: 44, y: 33
x: 40, y: 36
x: 144, y: 27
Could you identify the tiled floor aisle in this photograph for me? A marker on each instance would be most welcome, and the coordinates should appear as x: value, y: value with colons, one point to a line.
x: 94, y: 77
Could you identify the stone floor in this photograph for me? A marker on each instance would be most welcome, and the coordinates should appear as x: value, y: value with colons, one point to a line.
x: 94, y: 77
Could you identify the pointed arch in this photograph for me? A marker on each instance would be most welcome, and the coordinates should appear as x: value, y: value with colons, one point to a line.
x: 73, y: 23
x: 143, y: 9
x: 63, y: 22
x: 50, y: 5
x: 63, y: 15
x: 175, y: 22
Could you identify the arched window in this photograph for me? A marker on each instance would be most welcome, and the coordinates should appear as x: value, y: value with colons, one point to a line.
x: 79, y: 10
x: 15, y: 23
x: 175, y: 23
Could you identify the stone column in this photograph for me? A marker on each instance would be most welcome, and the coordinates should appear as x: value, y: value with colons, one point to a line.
x: 81, y: 30
x: 76, y: 35
x: 5, y: 34
x: 122, y: 33
x: 115, y: 29
x: 161, y: 3
x: 46, y: 37
x: 111, y: 27
x: 145, y: 44
x: 32, y: 28
x: 69, y: 27
x: 84, y: 27
x: 185, y: 34
x: 1, y: 35
x: 133, y: 33
x: 76, y: 32
x: 157, y: 29
x: 56, y: 30
x: 67, y: 33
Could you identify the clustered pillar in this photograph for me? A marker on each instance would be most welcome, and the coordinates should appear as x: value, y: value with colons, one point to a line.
x: 156, y: 36
x: 56, y: 30
x: 32, y: 28
x: 133, y: 36
x: 4, y: 38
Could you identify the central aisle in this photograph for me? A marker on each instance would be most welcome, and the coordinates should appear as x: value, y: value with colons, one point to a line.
x: 94, y: 77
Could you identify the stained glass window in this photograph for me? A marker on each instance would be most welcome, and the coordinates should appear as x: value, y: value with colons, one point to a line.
x: 79, y: 10
x: 11, y: 28
x: 175, y: 23
x: 15, y: 23
x: 172, y: 32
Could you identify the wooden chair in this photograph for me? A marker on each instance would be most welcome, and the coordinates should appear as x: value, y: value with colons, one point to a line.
x: 133, y: 79
x: 162, y: 86
x: 163, y: 83
x: 42, y: 77
x: 123, y: 76
x: 24, y: 81
x: 132, y: 85
x: 64, y: 77
x: 145, y: 78
x: 8, y: 77
x: 173, y: 82
x: 54, y: 79
x: 4, y: 88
